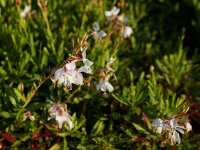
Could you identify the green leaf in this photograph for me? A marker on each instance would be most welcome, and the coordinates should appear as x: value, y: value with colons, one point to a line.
x: 121, y: 99
x: 140, y: 129
x: 5, y: 114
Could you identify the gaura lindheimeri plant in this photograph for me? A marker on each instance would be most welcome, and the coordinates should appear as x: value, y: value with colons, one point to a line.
x: 171, y: 128
x: 106, y: 73
x: 97, y: 33
x: 60, y: 114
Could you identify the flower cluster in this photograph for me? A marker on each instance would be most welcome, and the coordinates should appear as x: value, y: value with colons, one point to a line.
x: 69, y: 74
x: 60, y: 114
x: 105, y: 74
x: 120, y: 21
x: 171, y: 128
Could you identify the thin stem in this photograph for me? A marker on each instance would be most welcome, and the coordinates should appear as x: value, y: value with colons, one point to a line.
x: 73, y: 93
x: 34, y: 91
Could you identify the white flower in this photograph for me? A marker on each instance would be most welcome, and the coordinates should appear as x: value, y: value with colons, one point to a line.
x: 127, y: 31
x: 60, y: 114
x: 159, y: 122
x: 98, y: 34
x: 112, y: 13
x: 28, y: 115
x: 173, y: 134
x: 87, y: 63
x: 123, y: 19
x: 68, y: 74
x: 188, y: 126
x: 105, y: 85
x: 24, y: 13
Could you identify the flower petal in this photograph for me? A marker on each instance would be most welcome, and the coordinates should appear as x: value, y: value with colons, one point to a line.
x: 87, y: 62
x: 59, y: 73
x: 96, y: 27
x: 166, y: 127
x: 188, y: 126
x: 159, y: 129
x: 102, y: 34
x: 177, y: 138
x: 85, y: 69
x: 157, y: 122
x: 127, y: 31
x: 70, y: 66
x: 180, y: 130
x: 173, y: 123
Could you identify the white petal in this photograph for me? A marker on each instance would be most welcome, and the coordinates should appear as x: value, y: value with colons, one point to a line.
x: 159, y: 129
x: 105, y: 85
x: 111, y: 61
x: 49, y: 101
x: 108, y: 13
x: 87, y: 62
x: 96, y: 36
x: 24, y: 118
x: 177, y: 137
x: 166, y: 127
x: 23, y: 14
x: 96, y: 27
x: 157, y: 122
x: 59, y: 73
x: 70, y: 66
x: 102, y: 34
x: 188, y: 126
x: 32, y: 118
x: 69, y: 122
x: 109, y: 87
x: 27, y: 9
x: 79, y: 78
x: 173, y: 123
x: 123, y: 19
x: 127, y: 31
x: 83, y: 54
x: 180, y: 130
x: 85, y: 69
x: 115, y: 11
